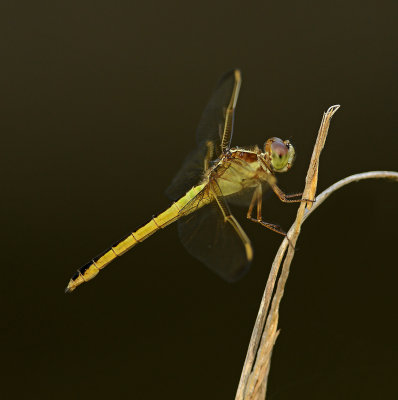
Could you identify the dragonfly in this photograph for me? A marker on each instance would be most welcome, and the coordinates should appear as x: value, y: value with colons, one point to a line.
x: 213, y: 176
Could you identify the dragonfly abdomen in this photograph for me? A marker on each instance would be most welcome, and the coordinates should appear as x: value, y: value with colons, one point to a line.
x: 92, y: 268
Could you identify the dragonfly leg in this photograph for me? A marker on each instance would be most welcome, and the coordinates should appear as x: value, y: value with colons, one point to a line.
x: 287, y: 198
x: 257, y: 199
x: 230, y: 219
x: 272, y: 227
x: 253, y: 202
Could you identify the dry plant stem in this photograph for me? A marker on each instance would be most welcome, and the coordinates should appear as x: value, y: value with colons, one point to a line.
x: 352, y: 178
x: 254, y: 376
x: 257, y: 381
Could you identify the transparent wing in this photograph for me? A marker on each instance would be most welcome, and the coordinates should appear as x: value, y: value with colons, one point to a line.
x: 217, y: 117
x: 244, y: 197
x: 218, y: 242
x: 215, y: 127
x: 189, y: 174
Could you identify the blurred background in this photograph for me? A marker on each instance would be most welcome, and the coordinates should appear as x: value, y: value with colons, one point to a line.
x: 98, y: 108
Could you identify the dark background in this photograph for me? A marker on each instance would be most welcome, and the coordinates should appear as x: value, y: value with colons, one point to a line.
x: 99, y: 103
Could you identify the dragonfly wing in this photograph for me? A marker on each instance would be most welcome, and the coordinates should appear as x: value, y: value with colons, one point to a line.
x: 189, y: 174
x: 213, y: 236
x: 215, y: 127
x: 216, y: 123
x: 244, y: 197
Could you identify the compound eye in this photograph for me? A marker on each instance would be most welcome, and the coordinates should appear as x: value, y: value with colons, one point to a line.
x: 279, y: 154
x: 279, y: 148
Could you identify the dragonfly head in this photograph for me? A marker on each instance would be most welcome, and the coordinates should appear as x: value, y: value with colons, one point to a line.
x: 279, y: 153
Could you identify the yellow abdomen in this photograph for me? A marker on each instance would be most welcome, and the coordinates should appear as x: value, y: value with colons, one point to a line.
x: 173, y: 213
